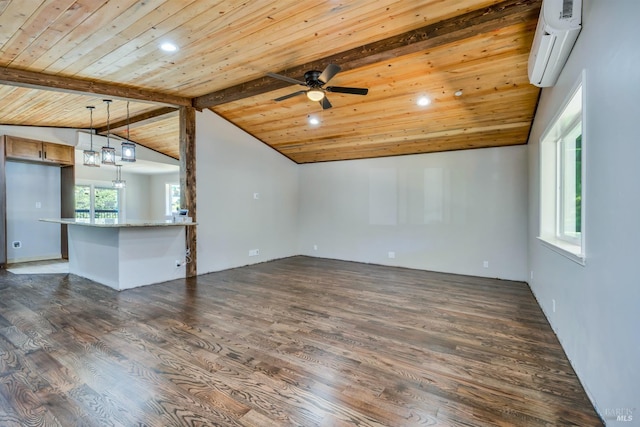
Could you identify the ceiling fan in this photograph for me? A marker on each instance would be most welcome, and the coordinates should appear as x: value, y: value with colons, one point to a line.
x: 315, y: 81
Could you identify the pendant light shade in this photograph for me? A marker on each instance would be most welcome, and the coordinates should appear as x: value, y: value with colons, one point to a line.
x: 128, y: 147
x: 91, y: 157
x: 119, y: 182
x: 108, y: 152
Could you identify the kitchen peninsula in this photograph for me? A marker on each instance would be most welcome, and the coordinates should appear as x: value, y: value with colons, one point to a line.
x: 124, y: 255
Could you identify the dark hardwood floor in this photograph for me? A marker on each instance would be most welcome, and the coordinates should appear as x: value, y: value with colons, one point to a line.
x: 299, y: 341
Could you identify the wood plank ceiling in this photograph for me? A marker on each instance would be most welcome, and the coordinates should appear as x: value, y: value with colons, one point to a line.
x: 58, y: 56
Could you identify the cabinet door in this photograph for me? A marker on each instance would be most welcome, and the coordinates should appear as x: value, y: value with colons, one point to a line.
x: 22, y: 148
x: 56, y: 153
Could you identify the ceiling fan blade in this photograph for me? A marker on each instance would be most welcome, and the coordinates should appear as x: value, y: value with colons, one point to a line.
x: 350, y: 90
x: 324, y: 102
x: 291, y: 95
x: 286, y: 79
x: 329, y: 72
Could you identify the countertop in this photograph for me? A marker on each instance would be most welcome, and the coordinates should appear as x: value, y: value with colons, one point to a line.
x: 114, y: 223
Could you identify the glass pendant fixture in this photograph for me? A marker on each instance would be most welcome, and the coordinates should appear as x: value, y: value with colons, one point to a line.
x: 128, y: 147
x: 108, y: 152
x: 119, y: 182
x: 91, y: 157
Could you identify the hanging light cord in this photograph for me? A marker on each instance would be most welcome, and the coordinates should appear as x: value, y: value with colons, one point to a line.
x: 91, y: 127
x: 128, y: 140
x: 108, y: 121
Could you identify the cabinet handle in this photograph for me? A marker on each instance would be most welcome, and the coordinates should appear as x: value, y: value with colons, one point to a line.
x: 45, y: 154
x: 40, y: 154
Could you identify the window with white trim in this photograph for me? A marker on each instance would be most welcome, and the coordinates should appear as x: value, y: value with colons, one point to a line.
x: 561, y: 180
x: 172, y: 199
x: 95, y: 201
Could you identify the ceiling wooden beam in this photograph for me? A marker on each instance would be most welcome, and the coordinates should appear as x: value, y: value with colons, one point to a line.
x: 450, y: 30
x: 146, y: 118
x: 30, y: 79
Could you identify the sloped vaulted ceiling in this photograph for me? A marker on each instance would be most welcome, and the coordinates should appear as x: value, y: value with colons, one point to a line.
x: 469, y: 57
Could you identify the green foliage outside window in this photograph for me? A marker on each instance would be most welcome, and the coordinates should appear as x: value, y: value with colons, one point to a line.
x: 106, y: 198
x: 83, y: 197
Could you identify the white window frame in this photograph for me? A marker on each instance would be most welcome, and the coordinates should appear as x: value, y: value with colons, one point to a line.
x: 552, y: 151
x: 168, y: 198
x: 561, y: 233
x: 92, y: 197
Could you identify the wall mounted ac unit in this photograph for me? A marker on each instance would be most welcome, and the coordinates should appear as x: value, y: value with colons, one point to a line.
x: 557, y: 31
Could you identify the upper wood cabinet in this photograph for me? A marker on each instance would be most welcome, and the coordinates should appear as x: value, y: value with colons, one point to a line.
x: 38, y: 151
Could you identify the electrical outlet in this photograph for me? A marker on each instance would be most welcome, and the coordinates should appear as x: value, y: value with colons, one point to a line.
x: 254, y: 252
x: 485, y: 264
x: 256, y: 196
x: 391, y: 254
x: 553, y: 303
x: 178, y: 263
x: 531, y: 275
x: 315, y: 247
x: 17, y: 244
x: 38, y: 205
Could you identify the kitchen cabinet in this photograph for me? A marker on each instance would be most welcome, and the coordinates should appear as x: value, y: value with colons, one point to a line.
x: 13, y: 148
x: 38, y: 151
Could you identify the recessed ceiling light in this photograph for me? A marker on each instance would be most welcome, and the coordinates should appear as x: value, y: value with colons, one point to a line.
x: 168, y: 47
x: 314, y: 120
x: 458, y: 92
x: 423, y: 101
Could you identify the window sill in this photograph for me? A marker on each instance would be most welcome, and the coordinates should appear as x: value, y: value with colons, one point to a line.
x: 573, y: 252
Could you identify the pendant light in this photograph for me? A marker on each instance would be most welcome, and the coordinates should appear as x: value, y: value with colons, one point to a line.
x: 108, y: 152
x: 119, y: 182
x: 91, y: 157
x: 128, y: 147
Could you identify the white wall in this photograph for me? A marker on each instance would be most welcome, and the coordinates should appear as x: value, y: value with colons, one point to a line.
x: 443, y: 211
x: 597, y: 316
x: 33, y: 192
x: 232, y: 166
x: 158, y: 194
x: 56, y: 135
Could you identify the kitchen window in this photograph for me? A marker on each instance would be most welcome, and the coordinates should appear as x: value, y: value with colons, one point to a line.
x: 94, y: 201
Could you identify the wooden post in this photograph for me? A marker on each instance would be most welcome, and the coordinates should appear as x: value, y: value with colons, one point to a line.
x: 3, y: 206
x: 188, y: 181
x: 67, y: 205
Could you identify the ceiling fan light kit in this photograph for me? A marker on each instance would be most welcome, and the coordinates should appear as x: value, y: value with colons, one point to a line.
x: 315, y: 81
x: 315, y: 94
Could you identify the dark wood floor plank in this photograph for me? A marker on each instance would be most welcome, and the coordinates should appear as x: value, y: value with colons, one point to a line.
x: 298, y: 341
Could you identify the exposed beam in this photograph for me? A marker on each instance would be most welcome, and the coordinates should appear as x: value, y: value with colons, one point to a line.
x: 30, y: 79
x: 440, y: 33
x: 144, y: 118
x: 188, y: 182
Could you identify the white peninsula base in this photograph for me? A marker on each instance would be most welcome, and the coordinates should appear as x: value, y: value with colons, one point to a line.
x: 128, y: 255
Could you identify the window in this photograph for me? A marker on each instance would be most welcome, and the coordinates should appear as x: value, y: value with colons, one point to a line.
x: 83, y: 201
x: 97, y: 202
x: 172, y: 199
x: 561, y: 180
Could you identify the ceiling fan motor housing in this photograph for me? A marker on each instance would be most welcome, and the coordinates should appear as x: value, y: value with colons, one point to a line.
x: 311, y: 77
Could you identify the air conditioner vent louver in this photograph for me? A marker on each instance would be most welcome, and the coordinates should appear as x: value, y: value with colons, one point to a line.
x: 567, y: 9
